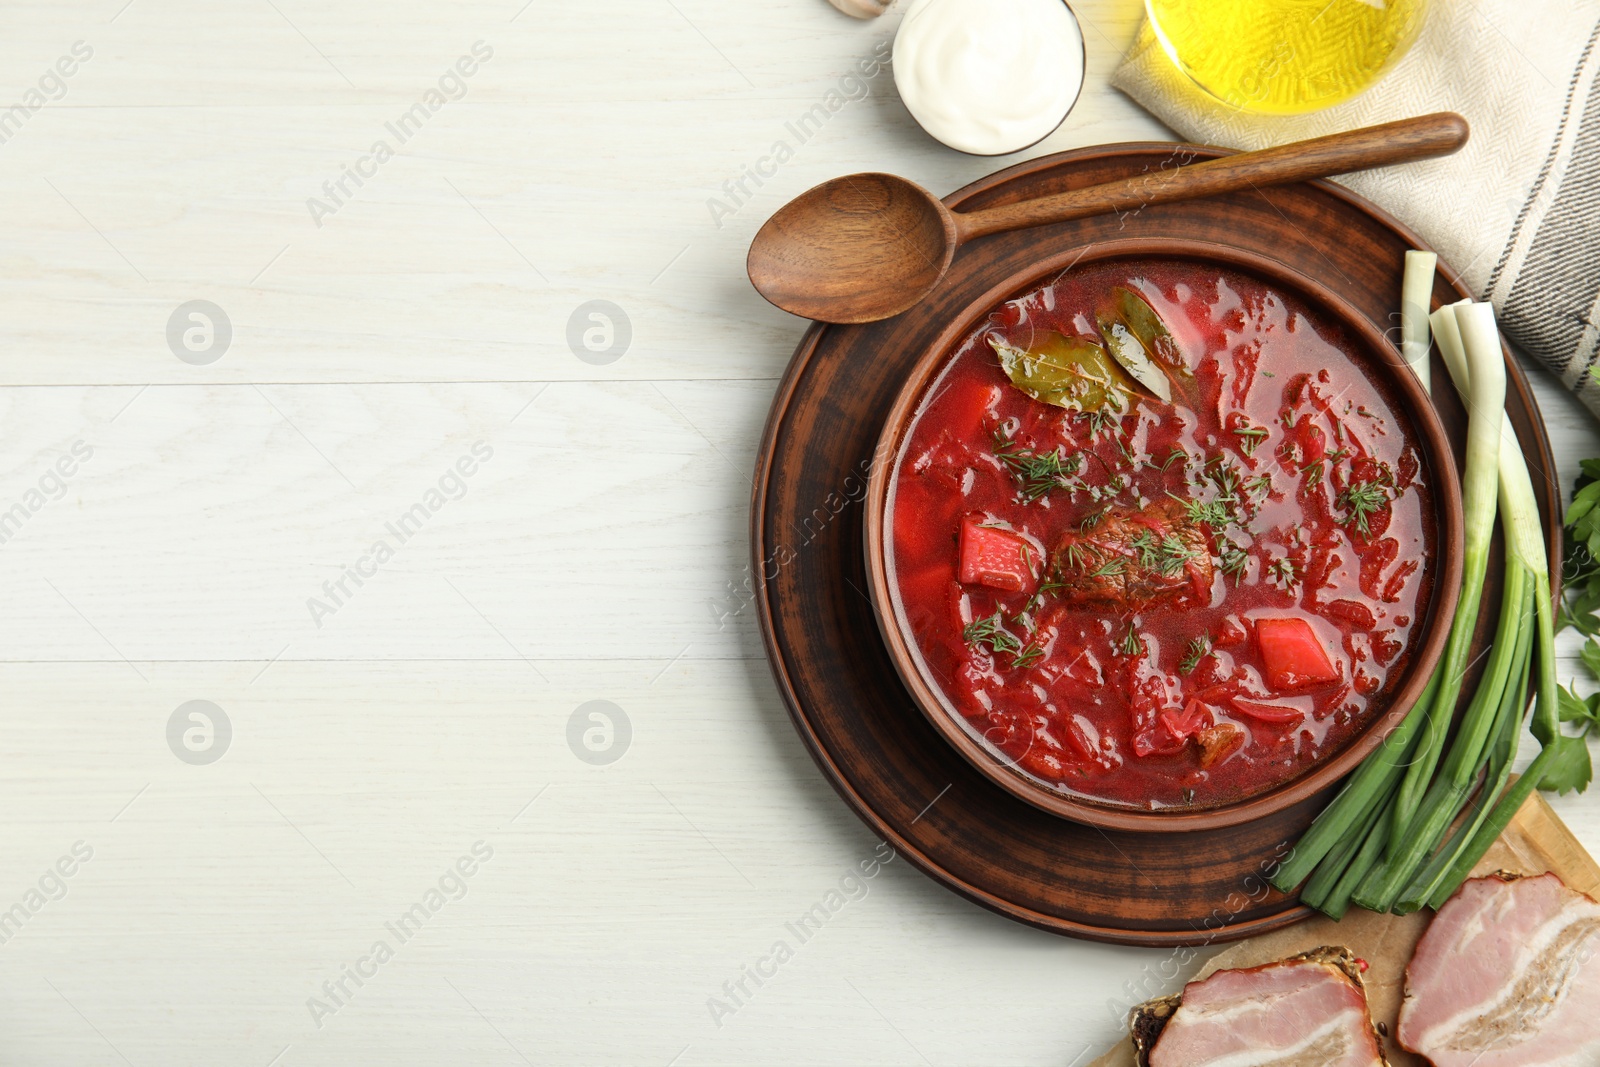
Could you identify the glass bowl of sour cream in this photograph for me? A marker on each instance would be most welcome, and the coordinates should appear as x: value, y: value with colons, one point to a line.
x: 989, y: 77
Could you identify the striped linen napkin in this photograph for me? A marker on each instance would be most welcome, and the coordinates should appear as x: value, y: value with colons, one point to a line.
x: 1517, y: 211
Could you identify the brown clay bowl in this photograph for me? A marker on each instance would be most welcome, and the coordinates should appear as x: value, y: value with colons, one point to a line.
x: 1367, y: 347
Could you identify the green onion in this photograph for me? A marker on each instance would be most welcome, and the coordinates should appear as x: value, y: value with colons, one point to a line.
x: 1450, y: 790
x: 1411, y: 869
x: 1563, y: 761
x: 1370, y: 853
x: 1386, y: 840
x: 1486, y: 396
x: 1416, y: 294
x: 1371, y: 784
x: 1428, y: 887
x: 1324, y: 885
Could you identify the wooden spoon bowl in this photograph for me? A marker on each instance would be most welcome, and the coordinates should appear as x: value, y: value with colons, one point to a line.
x: 888, y: 238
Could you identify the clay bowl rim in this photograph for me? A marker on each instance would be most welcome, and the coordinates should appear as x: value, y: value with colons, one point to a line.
x: 1368, y: 343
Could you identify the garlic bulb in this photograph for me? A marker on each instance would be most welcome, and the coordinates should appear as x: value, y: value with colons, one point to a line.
x: 862, y: 9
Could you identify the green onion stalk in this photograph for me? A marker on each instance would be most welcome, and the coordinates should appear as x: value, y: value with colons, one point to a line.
x: 1325, y: 846
x: 1416, y: 806
x: 1485, y: 395
x: 1525, y: 553
x: 1386, y: 842
x: 1366, y: 790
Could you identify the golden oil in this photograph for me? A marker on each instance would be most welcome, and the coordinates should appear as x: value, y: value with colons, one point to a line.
x: 1285, y: 57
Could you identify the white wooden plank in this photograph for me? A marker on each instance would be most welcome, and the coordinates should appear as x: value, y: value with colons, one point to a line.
x: 587, y: 559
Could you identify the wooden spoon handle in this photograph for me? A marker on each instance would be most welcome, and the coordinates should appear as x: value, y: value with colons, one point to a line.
x: 1373, y: 146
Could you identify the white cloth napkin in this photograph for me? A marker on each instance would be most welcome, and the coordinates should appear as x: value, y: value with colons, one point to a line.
x: 1517, y: 211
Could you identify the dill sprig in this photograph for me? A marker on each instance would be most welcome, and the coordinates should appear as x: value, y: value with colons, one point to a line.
x: 1360, y: 500
x: 1132, y: 644
x: 1250, y: 438
x: 1225, y: 476
x: 1144, y: 545
x: 1214, y: 513
x: 1197, y: 651
x: 1050, y: 585
x: 1102, y: 421
x: 990, y: 632
x: 1283, y: 571
x: 1036, y: 473
x: 1232, y: 560
x: 1028, y: 657
x: 1328, y: 459
x: 1111, y: 568
x: 1173, y: 555
x: 1231, y: 504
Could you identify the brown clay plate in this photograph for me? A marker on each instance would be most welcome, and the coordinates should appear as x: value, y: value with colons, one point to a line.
x: 843, y: 694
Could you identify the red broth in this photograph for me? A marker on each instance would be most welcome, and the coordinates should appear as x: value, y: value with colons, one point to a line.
x: 1234, y: 648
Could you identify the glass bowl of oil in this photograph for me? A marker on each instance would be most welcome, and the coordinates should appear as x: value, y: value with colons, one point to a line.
x: 1285, y: 57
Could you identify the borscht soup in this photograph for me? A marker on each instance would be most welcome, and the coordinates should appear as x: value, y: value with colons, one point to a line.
x: 1156, y: 538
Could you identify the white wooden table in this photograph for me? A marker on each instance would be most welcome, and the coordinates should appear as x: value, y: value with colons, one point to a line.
x: 170, y: 523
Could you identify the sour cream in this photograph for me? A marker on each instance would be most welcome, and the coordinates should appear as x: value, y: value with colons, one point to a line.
x: 989, y: 76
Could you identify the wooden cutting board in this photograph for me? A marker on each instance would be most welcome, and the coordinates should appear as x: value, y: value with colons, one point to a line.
x: 1536, y: 841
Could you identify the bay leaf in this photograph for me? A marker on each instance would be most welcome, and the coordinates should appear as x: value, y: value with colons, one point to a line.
x: 1141, y: 342
x: 1129, y: 351
x: 1136, y: 313
x: 1067, y: 372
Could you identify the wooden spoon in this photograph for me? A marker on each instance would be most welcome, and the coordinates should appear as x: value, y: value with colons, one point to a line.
x: 867, y: 246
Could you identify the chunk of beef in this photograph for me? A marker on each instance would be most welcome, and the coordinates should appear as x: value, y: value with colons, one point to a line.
x: 1129, y: 559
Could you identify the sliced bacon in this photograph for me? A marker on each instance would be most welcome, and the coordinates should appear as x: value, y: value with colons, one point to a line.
x: 1307, y: 1011
x: 1508, y: 974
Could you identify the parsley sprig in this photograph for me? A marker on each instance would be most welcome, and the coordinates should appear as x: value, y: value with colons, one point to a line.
x: 1580, y: 599
x: 1580, y: 570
